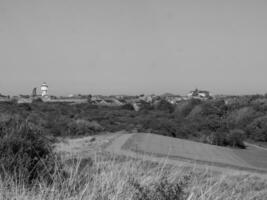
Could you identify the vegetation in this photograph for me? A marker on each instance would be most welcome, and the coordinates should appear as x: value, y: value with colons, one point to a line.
x: 29, y: 168
x: 122, y: 179
x: 219, y: 122
x: 25, y: 154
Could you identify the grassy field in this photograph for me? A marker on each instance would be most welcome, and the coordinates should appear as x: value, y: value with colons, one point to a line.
x: 250, y: 158
x: 133, y: 179
x: 94, y: 174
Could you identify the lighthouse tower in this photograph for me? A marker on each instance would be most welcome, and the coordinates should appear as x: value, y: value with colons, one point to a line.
x: 44, y: 89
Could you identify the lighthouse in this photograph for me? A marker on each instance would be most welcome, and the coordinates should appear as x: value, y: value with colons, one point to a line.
x: 44, y: 89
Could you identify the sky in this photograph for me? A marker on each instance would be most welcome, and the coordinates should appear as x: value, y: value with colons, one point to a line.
x: 133, y: 46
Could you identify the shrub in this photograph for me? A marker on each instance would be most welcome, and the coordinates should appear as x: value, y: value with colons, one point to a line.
x: 37, y: 100
x: 84, y: 127
x: 144, y: 106
x: 236, y: 138
x: 25, y: 154
x: 185, y: 107
x: 217, y: 138
x: 164, y: 105
x: 127, y: 106
x: 241, y: 117
x: 161, y: 190
x: 56, y: 124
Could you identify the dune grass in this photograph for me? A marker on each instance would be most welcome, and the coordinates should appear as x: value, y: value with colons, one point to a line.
x: 107, y: 177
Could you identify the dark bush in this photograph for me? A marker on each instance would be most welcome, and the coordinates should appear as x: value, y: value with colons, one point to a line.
x: 164, y: 105
x: 217, y: 138
x: 144, y: 106
x: 235, y: 138
x: 25, y: 154
x: 83, y: 127
x: 161, y: 190
x: 127, y: 106
x: 37, y: 100
x: 185, y: 107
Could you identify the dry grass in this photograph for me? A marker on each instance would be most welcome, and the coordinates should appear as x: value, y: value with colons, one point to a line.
x: 123, y: 179
x: 83, y: 146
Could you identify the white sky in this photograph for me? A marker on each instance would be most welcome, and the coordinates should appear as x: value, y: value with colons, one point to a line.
x: 133, y: 46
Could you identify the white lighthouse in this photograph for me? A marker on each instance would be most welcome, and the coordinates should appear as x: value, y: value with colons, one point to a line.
x: 44, y: 89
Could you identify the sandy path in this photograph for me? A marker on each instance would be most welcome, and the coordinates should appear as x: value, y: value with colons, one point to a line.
x: 179, y: 148
x: 256, y: 146
x: 84, y: 146
x: 115, y: 147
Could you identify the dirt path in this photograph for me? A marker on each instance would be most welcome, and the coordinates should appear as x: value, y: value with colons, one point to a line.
x: 256, y: 146
x: 84, y: 146
x: 115, y: 147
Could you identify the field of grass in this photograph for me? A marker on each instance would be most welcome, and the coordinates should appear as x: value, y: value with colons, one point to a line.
x: 250, y: 158
x: 133, y: 179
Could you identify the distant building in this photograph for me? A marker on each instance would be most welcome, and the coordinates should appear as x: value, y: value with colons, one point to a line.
x: 147, y: 98
x: 44, y: 89
x: 199, y: 94
x: 22, y: 100
x: 4, y: 98
x: 173, y: 99
x: 34, y: 92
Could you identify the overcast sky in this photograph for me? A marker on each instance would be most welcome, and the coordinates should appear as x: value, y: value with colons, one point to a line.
x: 133, y: 46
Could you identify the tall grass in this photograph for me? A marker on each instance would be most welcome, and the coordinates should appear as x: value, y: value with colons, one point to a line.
x: 25, y: 154
x: 124, y: 179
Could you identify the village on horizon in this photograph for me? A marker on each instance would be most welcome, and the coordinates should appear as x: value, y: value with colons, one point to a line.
x: 114, y: 100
